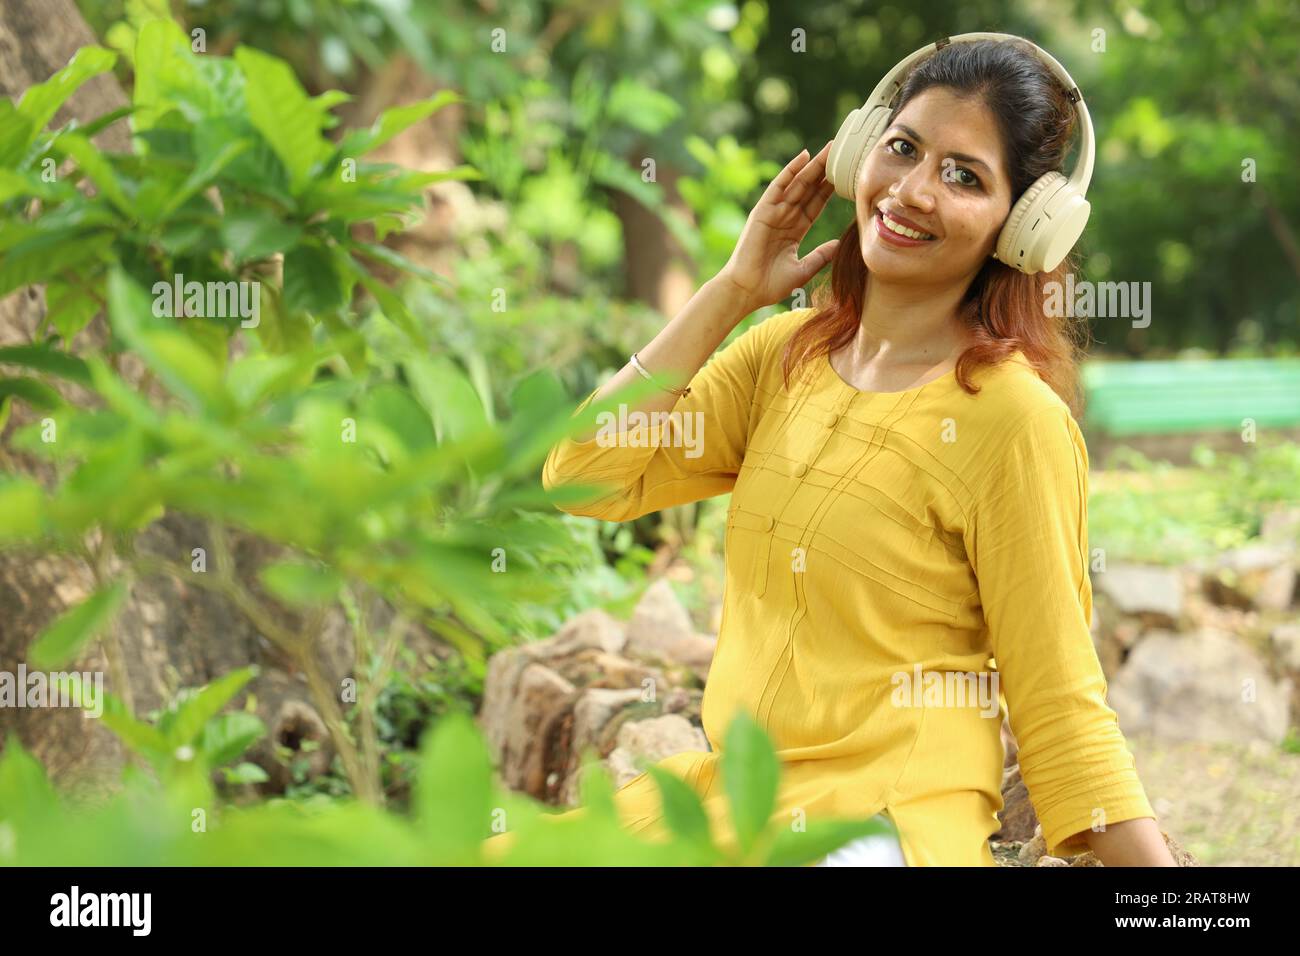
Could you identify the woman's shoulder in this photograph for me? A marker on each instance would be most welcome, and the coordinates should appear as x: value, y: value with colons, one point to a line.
x: 775, y: 330
x: 1016, y: 410
x: 1013, y: 388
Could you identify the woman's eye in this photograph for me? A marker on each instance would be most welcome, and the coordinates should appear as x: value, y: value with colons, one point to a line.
x: 961, y: 170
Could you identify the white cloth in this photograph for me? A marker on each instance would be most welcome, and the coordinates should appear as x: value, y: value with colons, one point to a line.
x: 875, y: 850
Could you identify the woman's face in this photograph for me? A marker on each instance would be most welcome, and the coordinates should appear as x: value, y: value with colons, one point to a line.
x: 941, y: 167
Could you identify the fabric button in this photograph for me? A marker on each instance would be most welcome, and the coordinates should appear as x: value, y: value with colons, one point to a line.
x: 832, y: 420
x: 800, y: 470
x: 768, y: 523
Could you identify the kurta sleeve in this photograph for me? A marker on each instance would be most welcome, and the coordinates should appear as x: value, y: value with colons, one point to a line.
x: 1027, y: 540
x: 693, y: 453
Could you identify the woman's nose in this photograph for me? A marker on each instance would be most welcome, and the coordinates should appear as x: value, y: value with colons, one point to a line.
x: 916, y: 188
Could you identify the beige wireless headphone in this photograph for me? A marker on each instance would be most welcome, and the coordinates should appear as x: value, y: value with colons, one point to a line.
x: 1048, y: 219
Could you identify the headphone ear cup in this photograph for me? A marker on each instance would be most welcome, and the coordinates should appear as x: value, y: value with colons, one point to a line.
x: 1043, y: 226
x: 858, y: 133
x: 871, y: 133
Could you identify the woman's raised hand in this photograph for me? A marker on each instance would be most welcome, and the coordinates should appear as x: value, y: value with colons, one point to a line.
x: 765, y: 266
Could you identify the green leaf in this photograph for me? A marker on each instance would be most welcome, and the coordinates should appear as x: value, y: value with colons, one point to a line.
x: 445, y: 391
x: 15, y: 183
x: 188, y: 720
x: 453, y: 790
x: 25, y: 791
x: 387, y: 256
x: 44, y: 358
x: 258, y: 376
x: 641, y: 107
x: 797, y: 847
x: 166, y: 74
x: 36, y: 393
x: 283, y: 113
x: 282, y: 331
x: 43, y: 255
x: 43, y: 100
x: 331, y: 98
x: 393, y: 121
x: 60, y: 643
x: 311, y: 281
x: 258, y: 170
x: 750, y: 773
x: 254, y: 233
x: 96, y: 166
x: 69, y: 308
x: 22, y: 503
x: 200, y: 178
x: 299, y: 584
x: 393, y: 307
x: 185, y: 368
x: 397, y: 410
x: 226, y: 737
x: 244, y: 773
x: 140, y: 737
x: 683, y: 812
x: 100, y: 123
x: 16, y: 133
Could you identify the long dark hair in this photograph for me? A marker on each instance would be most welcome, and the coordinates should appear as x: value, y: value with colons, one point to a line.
x: 1004, y: 308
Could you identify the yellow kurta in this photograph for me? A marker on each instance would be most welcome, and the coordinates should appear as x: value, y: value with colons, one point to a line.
x: 870, y: 534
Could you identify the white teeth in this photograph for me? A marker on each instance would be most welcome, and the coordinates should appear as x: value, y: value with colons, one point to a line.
x: 902, y: 230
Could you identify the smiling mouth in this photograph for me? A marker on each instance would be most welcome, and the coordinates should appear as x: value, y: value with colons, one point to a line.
x: 905, y: 235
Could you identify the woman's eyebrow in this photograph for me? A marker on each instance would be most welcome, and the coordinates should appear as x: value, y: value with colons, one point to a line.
x: 961, y: 157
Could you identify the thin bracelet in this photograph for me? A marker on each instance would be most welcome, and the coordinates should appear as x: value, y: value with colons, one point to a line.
x: 679, y: 392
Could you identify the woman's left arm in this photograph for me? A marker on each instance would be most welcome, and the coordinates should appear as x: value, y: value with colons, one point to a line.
x: 1027, y: 542
x: 1131, y: 843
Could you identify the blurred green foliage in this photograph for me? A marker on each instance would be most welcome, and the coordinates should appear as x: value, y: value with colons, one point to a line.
x: 1154, y: 512
x: 174, y: 818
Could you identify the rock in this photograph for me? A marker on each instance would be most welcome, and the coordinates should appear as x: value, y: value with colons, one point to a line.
x: 1051, y: 861
x: 593, y: 713
x: 652, y: 740
x: 1034, y: 849
x: 1178, y: 852
x: 679, y: 700
x: 1154, y: 594
x: 618, y: 673
x: 1010, y: 748
x: 660, y: 629
x: 525, y: 705
x: 1017, y: 814
x: 661, y: 737
x: 1193, y: 687
x: 592, y: 629
x: 545, y: 703
x: 1285, y: 643
x: 1261, y: 576
x: 1281, y: 526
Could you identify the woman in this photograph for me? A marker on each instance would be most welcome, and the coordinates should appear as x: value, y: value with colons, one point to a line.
x: 909, y: 491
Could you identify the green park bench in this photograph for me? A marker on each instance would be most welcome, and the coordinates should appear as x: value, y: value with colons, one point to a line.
x: 1167, y: 397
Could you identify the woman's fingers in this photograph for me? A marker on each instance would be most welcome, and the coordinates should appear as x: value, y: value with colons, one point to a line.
x: 813, y: 207
x: 776, y: 188
x: 816, y: 260
x: 808, y: 180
